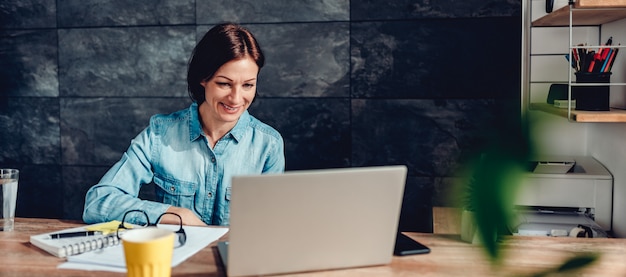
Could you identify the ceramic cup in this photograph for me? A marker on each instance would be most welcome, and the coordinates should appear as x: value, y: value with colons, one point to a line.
x: 148, y: 252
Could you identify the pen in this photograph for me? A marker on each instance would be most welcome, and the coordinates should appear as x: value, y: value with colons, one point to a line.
x: 606, y: 60
x: 74, y: 234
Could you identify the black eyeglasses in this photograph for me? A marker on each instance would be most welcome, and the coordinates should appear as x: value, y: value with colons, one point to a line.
x: 182, y: 237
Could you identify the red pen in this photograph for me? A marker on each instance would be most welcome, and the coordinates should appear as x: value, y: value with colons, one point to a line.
x: 593, y: 61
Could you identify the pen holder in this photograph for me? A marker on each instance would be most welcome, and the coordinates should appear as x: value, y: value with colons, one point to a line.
x: 592, y: 98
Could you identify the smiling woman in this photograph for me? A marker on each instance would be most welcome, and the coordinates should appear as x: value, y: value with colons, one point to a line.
x: 192, y: 154
x: 228, y: 94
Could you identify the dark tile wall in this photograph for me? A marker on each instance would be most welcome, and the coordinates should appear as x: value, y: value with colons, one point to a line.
x: 347, y: 83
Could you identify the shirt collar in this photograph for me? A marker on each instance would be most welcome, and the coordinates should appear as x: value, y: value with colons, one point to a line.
x: 195, y: 128
x: 240, y: 128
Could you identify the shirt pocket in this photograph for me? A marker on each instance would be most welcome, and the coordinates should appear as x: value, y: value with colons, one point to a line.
x: 175, y: 192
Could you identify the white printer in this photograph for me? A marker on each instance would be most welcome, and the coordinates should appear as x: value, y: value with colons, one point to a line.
x: 565, y: 196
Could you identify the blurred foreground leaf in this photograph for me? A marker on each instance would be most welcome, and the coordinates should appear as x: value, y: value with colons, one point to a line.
x: 575, y: 263
x: 494, y: 176
x: 491, y: 196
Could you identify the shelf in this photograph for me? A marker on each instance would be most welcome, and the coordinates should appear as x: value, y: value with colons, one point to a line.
x: 585, y: 13
x: 614, y: 115
x: 601, y: 4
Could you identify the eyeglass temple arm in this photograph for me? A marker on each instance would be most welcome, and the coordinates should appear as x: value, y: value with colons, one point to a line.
x: 180, y: 219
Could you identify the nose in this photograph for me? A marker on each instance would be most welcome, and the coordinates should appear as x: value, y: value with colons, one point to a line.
x: 235, y: 94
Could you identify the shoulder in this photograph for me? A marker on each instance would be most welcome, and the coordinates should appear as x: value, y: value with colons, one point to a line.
x: 171, y: 117
x: 258, y: 126
x: 166, y: 121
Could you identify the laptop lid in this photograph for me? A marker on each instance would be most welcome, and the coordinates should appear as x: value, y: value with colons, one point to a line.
x: 314, y: 220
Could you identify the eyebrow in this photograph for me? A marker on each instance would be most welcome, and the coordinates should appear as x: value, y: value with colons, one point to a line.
x: 232, y: 80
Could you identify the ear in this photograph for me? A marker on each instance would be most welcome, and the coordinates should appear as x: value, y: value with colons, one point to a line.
x: 203, y: 83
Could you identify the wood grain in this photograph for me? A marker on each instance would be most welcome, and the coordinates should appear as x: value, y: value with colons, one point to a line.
x: 449, y: 256
x: 597, y: 16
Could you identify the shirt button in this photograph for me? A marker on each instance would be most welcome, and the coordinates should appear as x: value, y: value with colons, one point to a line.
x: 210, y: 194
x: 213, y: 160
x: 172, y: 189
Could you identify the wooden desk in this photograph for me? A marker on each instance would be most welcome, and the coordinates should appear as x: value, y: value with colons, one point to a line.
x: 449, y: 256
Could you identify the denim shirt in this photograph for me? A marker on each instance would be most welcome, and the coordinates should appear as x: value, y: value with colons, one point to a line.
x: 174, y: 154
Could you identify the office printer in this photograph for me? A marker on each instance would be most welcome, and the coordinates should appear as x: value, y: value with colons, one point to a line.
x: 564, y: 196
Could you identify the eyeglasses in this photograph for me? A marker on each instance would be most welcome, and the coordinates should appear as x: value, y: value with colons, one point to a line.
x: 182, y: 237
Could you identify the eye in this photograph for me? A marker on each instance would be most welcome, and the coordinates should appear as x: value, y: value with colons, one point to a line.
x: 223, y: 84
x: 248, y: 86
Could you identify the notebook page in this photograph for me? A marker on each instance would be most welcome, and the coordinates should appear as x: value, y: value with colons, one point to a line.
x: 112, y: 258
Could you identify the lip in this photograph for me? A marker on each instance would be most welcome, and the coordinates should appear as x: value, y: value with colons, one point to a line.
x: 229, y: 109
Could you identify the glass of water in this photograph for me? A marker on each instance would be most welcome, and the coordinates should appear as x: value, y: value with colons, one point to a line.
x: 8, y: 193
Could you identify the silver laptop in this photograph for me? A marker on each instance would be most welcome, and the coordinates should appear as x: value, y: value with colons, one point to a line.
x: 313, y: 220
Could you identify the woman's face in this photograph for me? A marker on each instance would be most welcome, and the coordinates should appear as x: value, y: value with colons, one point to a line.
x: 229, y: 92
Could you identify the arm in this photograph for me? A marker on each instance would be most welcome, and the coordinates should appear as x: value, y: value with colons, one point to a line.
x: 275, y: 160
x: 188, y: 217
x: 118, y: 190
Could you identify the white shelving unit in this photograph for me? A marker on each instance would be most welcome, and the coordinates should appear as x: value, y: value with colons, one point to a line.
x: 582, y: 13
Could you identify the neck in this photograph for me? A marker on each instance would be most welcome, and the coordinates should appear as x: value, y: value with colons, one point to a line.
x: 214, y: 130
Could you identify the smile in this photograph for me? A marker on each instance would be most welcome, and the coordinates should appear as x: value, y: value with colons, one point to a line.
x: 228, y: 107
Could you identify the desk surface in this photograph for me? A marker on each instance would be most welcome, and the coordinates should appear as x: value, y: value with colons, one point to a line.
x: 449, y: 256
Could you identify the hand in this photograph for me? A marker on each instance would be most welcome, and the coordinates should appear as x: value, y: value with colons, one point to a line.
x: 189, y: 217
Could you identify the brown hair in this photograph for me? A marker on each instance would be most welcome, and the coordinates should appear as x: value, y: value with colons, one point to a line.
x: 223, y: 43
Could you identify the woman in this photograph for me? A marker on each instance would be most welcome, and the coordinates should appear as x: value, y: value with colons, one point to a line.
x: 192, y: 154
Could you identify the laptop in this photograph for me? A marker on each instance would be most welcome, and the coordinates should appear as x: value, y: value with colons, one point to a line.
x: 311, y: 220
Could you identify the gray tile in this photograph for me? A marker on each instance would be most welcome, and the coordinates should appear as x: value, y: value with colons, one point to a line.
x: 431, y: 137
x: 76, y: 181
x: 416, y: 213
x: 411, y: 9
x: 83, y: 13
x: 263, y: 11
x: 30, y: 131
x: 304, y: 60
x: 447, y: 191
x: 316, y: 131
x: 40, y: 192
x: 429, y: 78
x: 436, y: 59
x: 28, y: 65
x: 26, y: 14
x: 126, y: 62
x: 96, y: 131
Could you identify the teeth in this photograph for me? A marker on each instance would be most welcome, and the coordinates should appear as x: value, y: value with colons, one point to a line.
x: 228, y: 107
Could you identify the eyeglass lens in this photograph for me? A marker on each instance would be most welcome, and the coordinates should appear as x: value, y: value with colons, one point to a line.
x: 141, y: 220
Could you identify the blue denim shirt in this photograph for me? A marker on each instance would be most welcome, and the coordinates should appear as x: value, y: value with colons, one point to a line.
x: 173, y: 153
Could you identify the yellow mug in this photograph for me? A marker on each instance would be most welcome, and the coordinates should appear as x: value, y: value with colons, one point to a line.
x: 148, y: 252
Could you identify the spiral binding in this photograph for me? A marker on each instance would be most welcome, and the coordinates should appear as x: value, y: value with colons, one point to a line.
x: 90, y: 245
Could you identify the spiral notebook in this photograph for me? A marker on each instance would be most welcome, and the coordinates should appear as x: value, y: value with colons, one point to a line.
x: 101, y: 235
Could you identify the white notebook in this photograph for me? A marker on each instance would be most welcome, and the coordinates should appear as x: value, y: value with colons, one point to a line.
x: 63, y: 247
x: 112, y: 258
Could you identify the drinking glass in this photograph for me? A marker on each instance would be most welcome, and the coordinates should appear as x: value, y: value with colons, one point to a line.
x: 8, y: 181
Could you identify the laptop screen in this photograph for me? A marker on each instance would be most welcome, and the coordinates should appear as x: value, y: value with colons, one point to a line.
x: 314, y: 219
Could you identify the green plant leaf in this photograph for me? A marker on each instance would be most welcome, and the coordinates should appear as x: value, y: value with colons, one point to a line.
x: 572, y: 264
x: 495, y: 180
x: 578, y: 262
